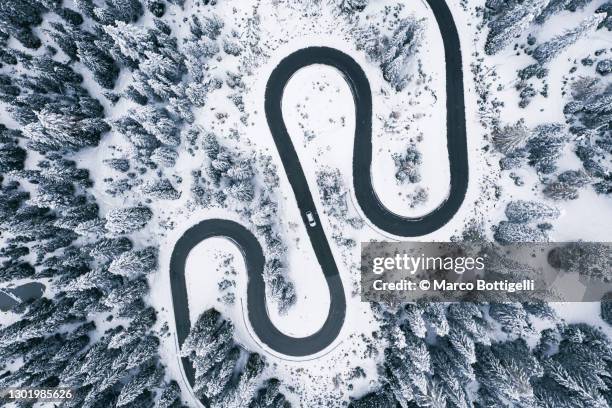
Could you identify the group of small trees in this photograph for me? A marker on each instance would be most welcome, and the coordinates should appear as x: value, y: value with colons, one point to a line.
x: 508, y: 20
x: 55, y: 112
x: 407, y: 165
x: 542, y: 147
x: 222, y: 378
x: 396, y: 52
x: 229, y: 180
x: 435, y: 353
x: 526, y: 222
x: 588, y: 114
x: 96, y: 275
x: 332, y: 191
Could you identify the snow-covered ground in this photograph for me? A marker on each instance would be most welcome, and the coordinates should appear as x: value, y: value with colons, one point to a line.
x: 319, y: 114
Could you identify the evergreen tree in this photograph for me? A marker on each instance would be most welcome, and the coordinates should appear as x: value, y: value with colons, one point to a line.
x: 170, y: 396
x: 143, y: 352
x: 146, y: 380
x: 135, y: 262
x: 399, y: 49
x: 545, y: 147
x: 122, y: 10
x: 510, y: 232
x: 545, y: 52
x: 17, y: 17
x: 242, y: 191
x: 521, y: 211
x: 510, y: 138
x: 12, y: 156
x: 606, y: 308
x: 127, y: 220
x: 590, y: 259
x: 96, y: 59
x: 157, y: 122
x: 161, y: 189
x: 510, y: 20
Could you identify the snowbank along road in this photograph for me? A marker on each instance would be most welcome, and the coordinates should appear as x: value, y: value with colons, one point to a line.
x: 367, y: 199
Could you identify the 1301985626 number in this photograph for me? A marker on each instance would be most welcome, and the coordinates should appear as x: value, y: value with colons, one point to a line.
x: 37, y: 394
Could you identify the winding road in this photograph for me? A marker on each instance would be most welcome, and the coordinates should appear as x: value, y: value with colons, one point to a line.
x: 367, y: 199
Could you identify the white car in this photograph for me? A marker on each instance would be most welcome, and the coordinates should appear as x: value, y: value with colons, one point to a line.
x: 311, y: 219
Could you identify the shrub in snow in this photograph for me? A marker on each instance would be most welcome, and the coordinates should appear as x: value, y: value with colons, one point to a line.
x: 607, y: 9
x: 521, y: 211
x: 333, y: 193
x: 407, y: 165
x: 567, y: 184
x: 127, y: 220
x: 510, y: 232
x: 560, y: 191
x: 604, y: 67
x: 161, y: 189
x: 164, y: 156
x: 351, y: 6
x: 418, y: 197
x: 232, y: 47
x: 121, y: 165
x: 533, y: 70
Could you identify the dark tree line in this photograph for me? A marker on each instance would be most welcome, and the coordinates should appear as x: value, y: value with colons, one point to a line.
x: 52, y: 228
x: 569, y: 366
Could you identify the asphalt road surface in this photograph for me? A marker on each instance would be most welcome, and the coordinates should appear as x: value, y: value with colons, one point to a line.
x: 367, y: 199
x: 256, y: 300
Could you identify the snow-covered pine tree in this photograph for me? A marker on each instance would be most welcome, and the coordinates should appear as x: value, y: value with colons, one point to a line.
x: 161, y: 189
x: 521, y: 211
x: 127, y: 220
x: 545, y: 52
x: 135, y: 262
x: 509, y: 21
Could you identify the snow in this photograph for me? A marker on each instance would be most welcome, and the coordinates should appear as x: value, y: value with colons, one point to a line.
x: 319, y: 114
